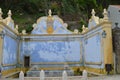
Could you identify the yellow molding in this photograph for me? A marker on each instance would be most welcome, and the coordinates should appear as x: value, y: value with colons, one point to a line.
x: 47, y: 34
x: 57, y: 63
x: 95, y: 70
x: 80, y: 67
x: 1, y: 50
x: 9, y: 64
x: 7, y: 72
x: 93, y: 63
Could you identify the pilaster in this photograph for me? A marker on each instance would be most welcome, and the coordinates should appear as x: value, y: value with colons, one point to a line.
x: 1, y: 46
x: 107, y: 43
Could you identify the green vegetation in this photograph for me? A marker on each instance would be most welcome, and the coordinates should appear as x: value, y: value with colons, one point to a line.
x: 25, y: 12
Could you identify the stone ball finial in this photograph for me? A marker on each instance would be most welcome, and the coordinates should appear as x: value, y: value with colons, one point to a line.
x: 9, y: 13
x: 93, y: 12
x: 34, y: 25
x: 50, y: 12
x: 86, y: 28
x: 24, y: 31
x: 65, y: 25
x: 76, y: 31
x: 1, y: 13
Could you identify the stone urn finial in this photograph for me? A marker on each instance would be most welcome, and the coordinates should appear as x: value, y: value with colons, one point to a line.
x: 105, y: 14
x: 50, y: 12
x: 1, y: 14
x: 9, y: 13
x: 93, y: 12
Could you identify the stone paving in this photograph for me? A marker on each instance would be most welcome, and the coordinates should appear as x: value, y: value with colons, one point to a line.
x: 108, y: 77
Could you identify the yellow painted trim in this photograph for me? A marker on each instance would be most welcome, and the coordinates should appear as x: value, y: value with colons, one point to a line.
x: 80, y: 67
x: 48, y: 34
x: 1, y: 48
x: 7, y: 72
x: 19, y: 50
x: 107, y: 44
x: 93, y: 63
x: 95, y: 70
x: 57, y: 63
x: 9, y: 64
